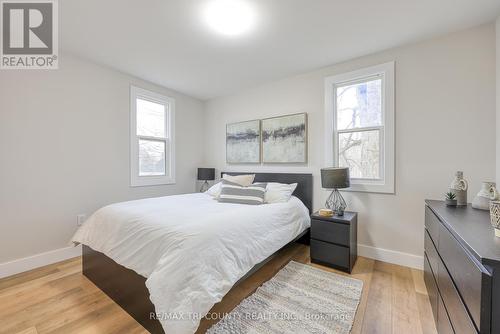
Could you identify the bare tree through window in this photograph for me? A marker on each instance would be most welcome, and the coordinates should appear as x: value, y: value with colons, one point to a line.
x: 359, y: 118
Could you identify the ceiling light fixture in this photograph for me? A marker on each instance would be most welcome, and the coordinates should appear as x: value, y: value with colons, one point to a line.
x: 230, y: 17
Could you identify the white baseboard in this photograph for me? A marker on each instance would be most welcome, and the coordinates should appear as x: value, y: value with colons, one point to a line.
x: 43, y: 259
x: 38, y: 260
x: 395, y: 257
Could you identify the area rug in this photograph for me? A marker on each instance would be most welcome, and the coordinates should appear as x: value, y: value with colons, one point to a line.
x: 299, y: 299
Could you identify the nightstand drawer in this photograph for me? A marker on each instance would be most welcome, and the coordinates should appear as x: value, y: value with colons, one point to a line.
x: 330, y: 232
x: 329, y: 253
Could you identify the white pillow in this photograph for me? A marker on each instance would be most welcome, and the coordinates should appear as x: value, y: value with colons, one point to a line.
x: 242, y: 180
x: 279, y: 192
x: 214, y: 190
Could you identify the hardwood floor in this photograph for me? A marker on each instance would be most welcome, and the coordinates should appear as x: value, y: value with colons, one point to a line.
x: 59, y: 299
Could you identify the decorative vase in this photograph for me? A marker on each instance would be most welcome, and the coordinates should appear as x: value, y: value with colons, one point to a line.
x: 459, y: 187
x: 487, y: 193
x: 495, y: 216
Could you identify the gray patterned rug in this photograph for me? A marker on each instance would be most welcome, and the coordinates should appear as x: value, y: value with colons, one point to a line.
x: 299, y: 299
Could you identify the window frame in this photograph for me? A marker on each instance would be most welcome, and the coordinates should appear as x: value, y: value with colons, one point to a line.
x: 137, y: 180
x: 386, y: 184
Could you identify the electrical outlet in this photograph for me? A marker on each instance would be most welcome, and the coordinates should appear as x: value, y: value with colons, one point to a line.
x: 80, y: 219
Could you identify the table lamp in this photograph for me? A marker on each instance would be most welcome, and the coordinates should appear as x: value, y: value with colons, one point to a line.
x: 205, y: 174
x: 335, y: 178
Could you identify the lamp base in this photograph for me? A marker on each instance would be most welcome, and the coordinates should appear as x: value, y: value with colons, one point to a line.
x: 336, y: 203
x: 204, y: 187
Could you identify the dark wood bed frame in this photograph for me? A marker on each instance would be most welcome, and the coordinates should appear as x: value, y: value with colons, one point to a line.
x: 128, y: 289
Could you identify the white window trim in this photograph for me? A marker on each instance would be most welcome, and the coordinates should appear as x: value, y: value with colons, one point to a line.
x: 169, y: 178
x: 387, y: 144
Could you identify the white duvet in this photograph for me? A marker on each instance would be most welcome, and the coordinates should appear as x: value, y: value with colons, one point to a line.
x: 191, y: 248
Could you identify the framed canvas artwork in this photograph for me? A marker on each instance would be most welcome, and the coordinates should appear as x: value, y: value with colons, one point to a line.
x: 284, y: 139
x: 243, y: 142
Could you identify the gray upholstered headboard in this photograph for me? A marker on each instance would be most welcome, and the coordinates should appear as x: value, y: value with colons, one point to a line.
x: 304, y: 182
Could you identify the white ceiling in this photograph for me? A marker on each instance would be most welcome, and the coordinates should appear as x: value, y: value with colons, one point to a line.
x: 168, y: 43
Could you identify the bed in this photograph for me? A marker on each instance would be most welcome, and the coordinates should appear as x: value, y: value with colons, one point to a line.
x: 181, y: 262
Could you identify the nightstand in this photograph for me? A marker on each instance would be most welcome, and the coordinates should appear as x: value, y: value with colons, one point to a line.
x: 334, y: 240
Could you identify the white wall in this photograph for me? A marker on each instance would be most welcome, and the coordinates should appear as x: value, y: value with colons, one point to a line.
x: 64, y: 150
x: 445, y: 121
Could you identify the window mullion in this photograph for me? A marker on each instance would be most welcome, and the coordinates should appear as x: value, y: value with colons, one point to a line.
x: 372, y: 128
x: 152, y: 138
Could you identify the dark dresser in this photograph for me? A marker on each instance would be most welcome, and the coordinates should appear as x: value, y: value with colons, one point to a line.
x: 461, y: 269
x: 334, y: 240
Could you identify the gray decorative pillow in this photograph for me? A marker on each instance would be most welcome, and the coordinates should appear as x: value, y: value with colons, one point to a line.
x: 234, y: 193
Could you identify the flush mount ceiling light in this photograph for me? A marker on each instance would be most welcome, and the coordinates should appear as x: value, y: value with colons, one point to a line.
x: 230, y: 17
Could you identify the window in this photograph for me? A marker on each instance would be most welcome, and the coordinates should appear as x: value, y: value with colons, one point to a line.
x: 359, y: 118
x: 152, y: 158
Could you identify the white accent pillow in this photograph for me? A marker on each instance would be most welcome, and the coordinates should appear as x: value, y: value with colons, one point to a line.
x: 214, y: 190
x: 279, y: 192
x: 242, y: 180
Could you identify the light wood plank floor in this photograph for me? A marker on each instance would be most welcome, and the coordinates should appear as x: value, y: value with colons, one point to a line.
x: 59, y: 299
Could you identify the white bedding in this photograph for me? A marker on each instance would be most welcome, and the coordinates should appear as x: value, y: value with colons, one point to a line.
x: 191, y: 248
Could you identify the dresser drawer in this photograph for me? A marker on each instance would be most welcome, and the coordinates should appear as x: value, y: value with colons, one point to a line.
x: 432, y: 289
x: 456, y: 309
x: 431, y: 252
x: 329, y: 253
x: 443, y: 325
x: 331, y: 232
x: 468, y: 276
x: 432, y: 224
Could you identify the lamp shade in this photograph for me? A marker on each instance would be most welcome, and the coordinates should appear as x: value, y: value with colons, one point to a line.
x: 335, y: 178
x: 206, y: 174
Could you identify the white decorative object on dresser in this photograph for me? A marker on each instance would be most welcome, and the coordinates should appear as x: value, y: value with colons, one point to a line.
x: 487, y: 193
x: 459, y: 187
